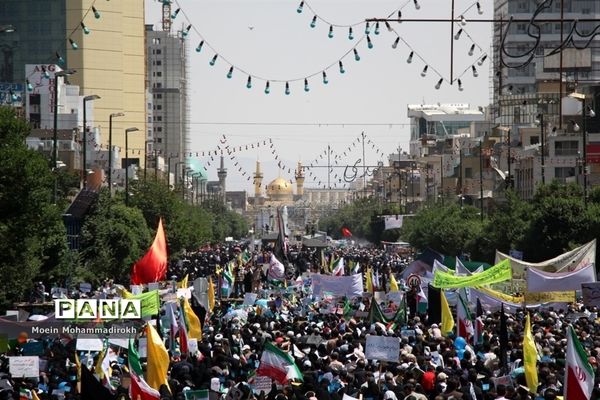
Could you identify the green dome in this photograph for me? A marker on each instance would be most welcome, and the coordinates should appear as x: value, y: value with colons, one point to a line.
x: 198, y: 168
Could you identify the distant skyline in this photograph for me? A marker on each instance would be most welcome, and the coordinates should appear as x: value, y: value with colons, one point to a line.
x: 270, y: 39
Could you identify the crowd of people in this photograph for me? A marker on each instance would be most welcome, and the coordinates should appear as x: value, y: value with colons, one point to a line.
x: 326, y: 338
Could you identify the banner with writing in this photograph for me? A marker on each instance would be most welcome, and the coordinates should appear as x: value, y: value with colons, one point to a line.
x: 498, y: 273
x: 382, y: 348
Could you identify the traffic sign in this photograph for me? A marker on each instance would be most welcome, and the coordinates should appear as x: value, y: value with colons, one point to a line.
x: 414, y: 281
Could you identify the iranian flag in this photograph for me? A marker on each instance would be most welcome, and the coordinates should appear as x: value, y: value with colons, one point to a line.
x: 138, y: 389
x: 278, y: 365
x: 465, y: 321
x: 338, y: 267
x: 579, y: 379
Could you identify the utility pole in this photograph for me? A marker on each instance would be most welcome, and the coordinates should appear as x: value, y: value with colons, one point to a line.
x: 542, y: 140
x: 481, y: 179
x: 509, y: 184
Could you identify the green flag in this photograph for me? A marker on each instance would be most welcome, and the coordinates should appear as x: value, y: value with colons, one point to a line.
x: 150, y: 302
x: 498, y: 273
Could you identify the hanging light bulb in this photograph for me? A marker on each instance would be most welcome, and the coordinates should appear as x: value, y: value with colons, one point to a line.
x: 230, y: 73
x: 388, y: 26
x: 472, y: 49
x: 460, y: 86
x: 29, y: 86
x: 325, y: 80
x: 424, y: 72
x: 174, y: 15
x: 482, y: 59
x: 376, y: 29
x: 369, y: 43
x: 395, y: 44
x: 59, y: 59
x: 356, y: 56
x: 439, y: 83
x: 457, y: 35
x: 330, y: 34
x: 576, y: 127
x: 399, y: 15
x: 410, y: 57
x: 45, y: 73
x: 249, y: 82
x: 96, y: 13
x: 313, y: 23
x: 350, y: 34
x: 342, y: 70
x: 267, y: 88
x: 463, y: 20
x: 13, y: 96
x: 187, y: 30
x: 213, y: 60
x: 73, y: 44
x: 306, y: 88
x: 417, y: 5
x: 85, y: 29
x: 475, y: 73
x: 367, y: 28
x: 287, y: 88
x: 199, y: 47
x: 479, y: 10
x: 300, y: 7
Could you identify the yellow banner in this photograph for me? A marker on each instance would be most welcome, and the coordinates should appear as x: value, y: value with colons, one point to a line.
x: 531, y: 298
x: 498, y: 273
x: 550, y: 297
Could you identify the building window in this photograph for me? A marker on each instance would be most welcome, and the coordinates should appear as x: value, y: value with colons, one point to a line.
x: 158, y: 140
x: 566, y: 147
x: 468, y: 173
x: 521, y: 28
x: 158, y: 107
x: 156, y: 41
x: 534, y: 139
x: 564, y: 172
x: 159, y: 129
x: 158, y: 95
x: 158, y: 51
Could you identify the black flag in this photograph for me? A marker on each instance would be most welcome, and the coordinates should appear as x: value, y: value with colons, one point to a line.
x: 91, y: 388
x: 434, y: 305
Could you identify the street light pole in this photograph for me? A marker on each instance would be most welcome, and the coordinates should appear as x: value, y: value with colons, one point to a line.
x: 55, y: 130
x: 542, y: 142
x: 584, y: 116
x: 127, y: 132
x: 110, y: 158
x: 177, y: 164
x: 85, y: 136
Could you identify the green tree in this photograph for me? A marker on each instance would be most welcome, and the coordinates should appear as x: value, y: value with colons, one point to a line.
x: 113, y: 238
x: 32, y: 235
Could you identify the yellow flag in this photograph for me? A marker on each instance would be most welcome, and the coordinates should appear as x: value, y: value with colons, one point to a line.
x: 34, y: 395
x: 447, y: 318
x: 78, y: 365
x: 183, y: 284
x: 530, y: 357
x: 393, y: 284
x: 369, y: 281
x: 194, y: 327
x: 211, y: 295
x: 158, y: 359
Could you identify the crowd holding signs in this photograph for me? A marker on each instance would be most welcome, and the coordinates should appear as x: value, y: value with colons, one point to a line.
x: 351, y: 323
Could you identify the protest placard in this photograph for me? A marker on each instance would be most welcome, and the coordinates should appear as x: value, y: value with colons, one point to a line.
x: 24, y: 367
x: 250, y: 299
x: 85, y: 287
x: 143, y: 347
x: 262, y: 384
x: 153, y: 286
x: 33, y: 349
x: 89, y: 343
x: 136, y: 289
x: 591, y: 294
x: 382, y: 348
x: 193, y: 346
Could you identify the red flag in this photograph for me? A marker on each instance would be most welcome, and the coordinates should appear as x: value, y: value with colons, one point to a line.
x: 346, y: 232
x: 153, y: 266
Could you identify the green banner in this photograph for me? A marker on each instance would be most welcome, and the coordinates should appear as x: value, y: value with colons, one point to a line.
x: 498, y: 273
x: 150, y: 302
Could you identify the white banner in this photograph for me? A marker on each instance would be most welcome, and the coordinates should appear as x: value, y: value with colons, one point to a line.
x: 393, y: 221
x: 382, y: 348
x: 540, y: 281
x: 339, y: 286
x: 570, y: 261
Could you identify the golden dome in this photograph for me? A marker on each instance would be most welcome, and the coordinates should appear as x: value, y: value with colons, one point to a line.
x: 279, y: 186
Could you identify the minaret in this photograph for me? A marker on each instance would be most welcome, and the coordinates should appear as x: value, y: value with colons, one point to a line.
x: 258, y: 178
x: 300, y: 180
x: 222, y: 174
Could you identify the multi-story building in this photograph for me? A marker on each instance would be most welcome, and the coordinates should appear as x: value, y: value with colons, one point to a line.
x: 109, y: 60
x: 166, y: 69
